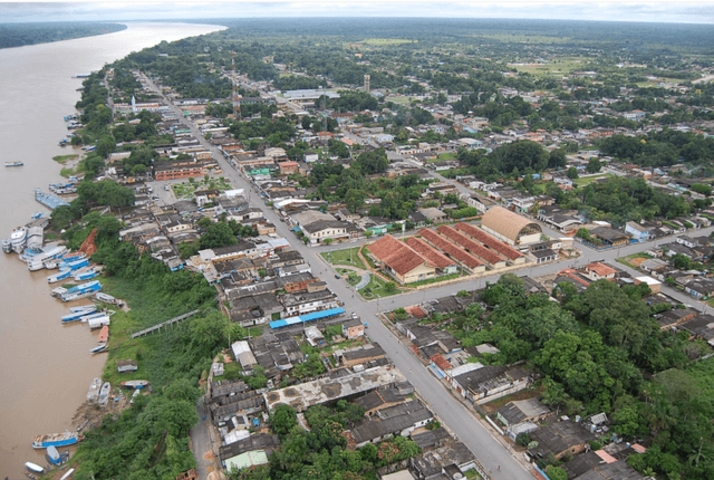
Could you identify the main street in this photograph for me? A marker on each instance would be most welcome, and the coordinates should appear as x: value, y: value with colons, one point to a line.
x: 490, y: 452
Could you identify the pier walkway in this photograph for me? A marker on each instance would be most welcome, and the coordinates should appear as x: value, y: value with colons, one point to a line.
x: 161, y: 325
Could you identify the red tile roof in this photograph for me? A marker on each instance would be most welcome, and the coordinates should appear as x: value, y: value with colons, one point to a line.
x: 601, y: 269
x: 430, y: 253
x: 489, y: 241
x: 473, y: 247
x: 396, y: 255
x: 450, y: 249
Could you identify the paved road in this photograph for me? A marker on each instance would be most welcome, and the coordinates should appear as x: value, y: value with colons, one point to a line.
x: 460, y: 420
x: 202, y: 443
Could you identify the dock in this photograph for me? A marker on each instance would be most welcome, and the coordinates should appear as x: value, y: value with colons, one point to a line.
x: 48, y: 200
x: 161, y: 325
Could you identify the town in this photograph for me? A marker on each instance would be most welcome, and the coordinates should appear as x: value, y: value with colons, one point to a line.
x: 454, y: 268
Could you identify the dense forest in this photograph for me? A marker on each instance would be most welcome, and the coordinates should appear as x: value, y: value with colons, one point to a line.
x: 601, y: 351
x: 19, y: 34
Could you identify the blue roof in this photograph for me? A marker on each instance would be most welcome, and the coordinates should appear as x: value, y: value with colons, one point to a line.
x: 307, y: 318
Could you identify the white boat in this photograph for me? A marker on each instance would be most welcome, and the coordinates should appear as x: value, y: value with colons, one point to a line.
x: 68, y: 474
x: 94, y: 387
x: 18, y: 239
x: 61, y: 275
x: 98, y: 349
x: 138, y: 384
x: 53, y: 455
x: 104, y: 394
x: 33, y: 467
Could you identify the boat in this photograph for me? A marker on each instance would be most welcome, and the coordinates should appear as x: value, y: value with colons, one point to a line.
x: 76, y: 316
x: 61, y: 275
x: 7, y: 245
x: 18, y: 239
x: 68, y: 474
x: 98, y: 322
x: 37, y: 215
x: 33, y: 467
x: 94, y: 388
x: 53, y: 455
x: 55, y: 440
x: 71, y: 258
x: 77, y: 264
x: 104, y: 394
x: 103, y: 337
x: 136, y: 393
x: 44, y: 256
x: 70, y: 117
x: 48, y: 200
x: 135, y: 384
x: 76, y: 292
x: 14, y: 164
x: 98, y: 349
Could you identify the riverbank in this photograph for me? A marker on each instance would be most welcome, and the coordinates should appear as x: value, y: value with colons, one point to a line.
x: 47, y: 365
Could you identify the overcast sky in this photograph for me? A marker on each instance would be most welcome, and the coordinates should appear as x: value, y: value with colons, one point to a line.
x: 624, y: 10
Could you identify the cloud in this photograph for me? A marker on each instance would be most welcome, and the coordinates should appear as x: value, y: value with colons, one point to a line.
x: 667, y: 11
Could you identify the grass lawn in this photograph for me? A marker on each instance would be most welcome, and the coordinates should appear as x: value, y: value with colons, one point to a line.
x: 382, y: 42
x: 445, y: 157
x: 443, y: 278
x: 65, y: 158
x: 563, y: 66
x: 399, y: 100
x: 582, y: 181
x: 377, y: 288
x: 628, y: 260
x: 347, y: 256
x: 185, y: 190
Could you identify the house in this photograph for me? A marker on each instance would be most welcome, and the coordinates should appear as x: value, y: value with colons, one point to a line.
x: 654, y: 285
x: 243, y: 354
x: 701, y: 326
x: 433, y: 214
x: 362, y: 355
x: 597, y: 271
x: 676, y: 316
x: 400, y: 419
x: 607, y: 470
x: 638, y: 232
x: 353, y: 328
x: 610, y: 237
x: 318, y: 226
x: 379, y: 399
x: 400, y: 260
x: 701, y: 288
x: 559, y: 439
x: 481, y: 203
x: 519, y: 411
x: 444, y: 264
x: 490, y: 382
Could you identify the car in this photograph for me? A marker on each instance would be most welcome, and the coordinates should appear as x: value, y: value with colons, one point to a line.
x: 338, y: 276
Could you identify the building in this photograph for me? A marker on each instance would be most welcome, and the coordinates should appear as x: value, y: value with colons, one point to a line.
x: 318, y: 226
x: 510, y: 227
x: 640, y: 233
x: 400, y: 260
x: 597, y: 271
x: 610, y: 237
x: 243, y: 354
x: 560, y: 439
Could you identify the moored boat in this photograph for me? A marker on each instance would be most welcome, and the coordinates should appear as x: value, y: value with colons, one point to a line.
x: 61, y: 275
x: 135, y: 384
x: 53, y: 455
x: 55, y: 440
x: 103, y: 337
x: 104, y: 394
x: 98, y: 349
x: 33, y: 467
x: 14, y: 164
x: 93, y: 392
x: 68, y: 474
x: 18, y: 239
x: 7, y: 245
x: 76, y: 313
x: 86, y: 274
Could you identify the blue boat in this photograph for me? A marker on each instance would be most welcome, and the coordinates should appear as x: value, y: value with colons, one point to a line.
x: 76, y: 315
x: 71, y: 258
x: 76, y: 292
x: 87, y: 274
x: 77, y: 264
x: 48, y: 200
x: 61, y: 275
x: 55, y: 440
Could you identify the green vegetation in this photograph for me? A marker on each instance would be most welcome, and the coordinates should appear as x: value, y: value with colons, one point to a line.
x: 19, y: 34
x: 387, y: 41
x: 65, y: 158
x: 378, y: 288
x: 582, y: 181
x: 601, y: 351
x: 185, y: 190
x: 348, y: 256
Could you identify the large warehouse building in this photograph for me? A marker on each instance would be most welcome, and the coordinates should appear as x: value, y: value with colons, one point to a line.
x: 510, y: 227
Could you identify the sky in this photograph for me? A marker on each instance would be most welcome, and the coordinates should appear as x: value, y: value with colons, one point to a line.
x: 686, y: 11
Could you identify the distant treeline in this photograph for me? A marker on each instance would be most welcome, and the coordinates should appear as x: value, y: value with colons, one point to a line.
x: 19, y: 34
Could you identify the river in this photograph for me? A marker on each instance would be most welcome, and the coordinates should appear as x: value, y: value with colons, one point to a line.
x: 45, y: 367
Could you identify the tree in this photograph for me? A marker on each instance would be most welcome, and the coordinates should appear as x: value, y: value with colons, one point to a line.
x: 594, y: 165
x: 556, y: 473
x: 573, y: 173
x: 702, y: 189
x: 217, y: 234
x: 283, y: 420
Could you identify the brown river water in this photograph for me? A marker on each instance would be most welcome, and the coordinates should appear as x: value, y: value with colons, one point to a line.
x: 45, y: 367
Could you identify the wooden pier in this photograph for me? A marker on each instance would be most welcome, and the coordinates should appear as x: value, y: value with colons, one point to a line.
x: 161, y: 325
